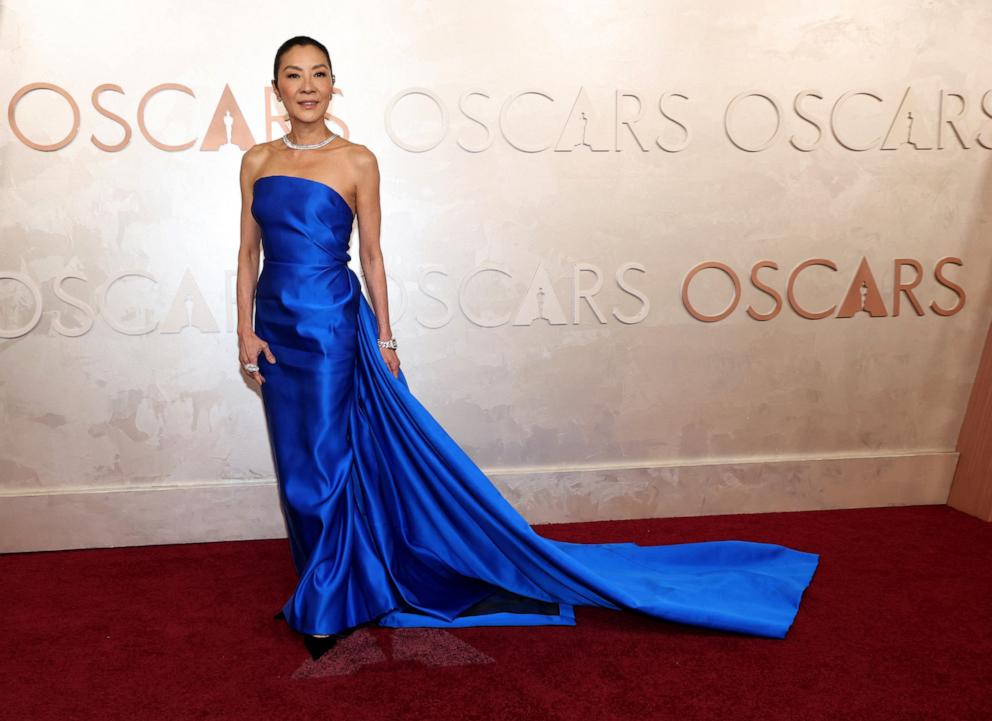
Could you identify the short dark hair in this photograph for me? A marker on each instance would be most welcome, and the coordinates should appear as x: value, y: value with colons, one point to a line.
x: 293, y: 42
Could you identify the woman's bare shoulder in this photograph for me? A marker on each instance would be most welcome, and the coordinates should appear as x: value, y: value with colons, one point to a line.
x: 255, y: 158
x: 263, y: 149
x: 360, y: 156
x: 356, y: 159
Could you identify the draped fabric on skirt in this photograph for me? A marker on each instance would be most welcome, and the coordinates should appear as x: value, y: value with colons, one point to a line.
x: 390, y: 521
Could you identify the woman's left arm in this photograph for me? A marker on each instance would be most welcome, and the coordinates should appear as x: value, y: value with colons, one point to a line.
x: 369, y: 214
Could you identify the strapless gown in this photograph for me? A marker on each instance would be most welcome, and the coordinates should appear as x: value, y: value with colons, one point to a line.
x: 391, y: 523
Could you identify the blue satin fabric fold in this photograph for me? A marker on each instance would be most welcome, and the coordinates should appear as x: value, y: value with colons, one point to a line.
x: 390, y: 521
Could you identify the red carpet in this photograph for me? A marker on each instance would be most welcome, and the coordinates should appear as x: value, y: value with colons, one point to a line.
x: 897, y: 624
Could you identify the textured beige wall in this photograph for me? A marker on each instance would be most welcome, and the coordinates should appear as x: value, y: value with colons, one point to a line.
x: 125, y: 378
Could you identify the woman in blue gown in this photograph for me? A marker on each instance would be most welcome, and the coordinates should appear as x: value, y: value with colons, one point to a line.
x: 389, y: 521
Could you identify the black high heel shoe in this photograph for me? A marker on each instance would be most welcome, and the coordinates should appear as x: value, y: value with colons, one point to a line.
x: 279, y: 616
x: 319, y: 645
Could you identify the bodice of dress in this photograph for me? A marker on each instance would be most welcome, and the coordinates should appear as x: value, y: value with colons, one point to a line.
x: 303, y: 221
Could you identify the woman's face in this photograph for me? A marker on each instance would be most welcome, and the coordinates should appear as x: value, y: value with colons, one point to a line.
x: 304, y: 83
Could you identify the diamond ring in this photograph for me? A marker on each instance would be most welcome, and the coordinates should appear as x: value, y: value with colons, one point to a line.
x: 251, y: 367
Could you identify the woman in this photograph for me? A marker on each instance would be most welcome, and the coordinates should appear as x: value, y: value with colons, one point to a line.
x: 389, y: 521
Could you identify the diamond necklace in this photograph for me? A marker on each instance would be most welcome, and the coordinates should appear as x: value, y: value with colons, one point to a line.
x: 312, y: 146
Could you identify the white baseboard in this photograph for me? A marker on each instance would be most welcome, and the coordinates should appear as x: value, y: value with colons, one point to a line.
x: 240, y: 510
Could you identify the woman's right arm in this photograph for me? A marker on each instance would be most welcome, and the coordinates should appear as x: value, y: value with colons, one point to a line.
x: 249, y: 255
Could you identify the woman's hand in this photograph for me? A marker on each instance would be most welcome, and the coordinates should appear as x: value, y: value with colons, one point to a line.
x: 392, y: 360
x: 251, y: 346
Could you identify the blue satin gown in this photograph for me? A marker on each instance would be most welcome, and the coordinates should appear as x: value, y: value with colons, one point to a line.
x: 391, y: 523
